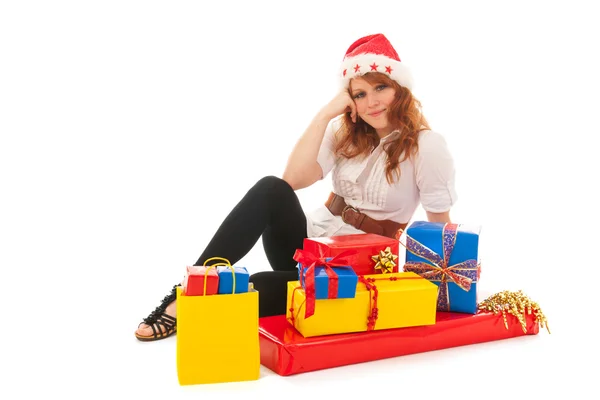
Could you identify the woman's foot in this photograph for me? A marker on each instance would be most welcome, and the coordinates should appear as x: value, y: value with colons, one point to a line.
x: 161, y: 323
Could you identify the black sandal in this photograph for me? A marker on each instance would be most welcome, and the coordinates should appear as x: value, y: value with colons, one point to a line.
x: 163, y: 325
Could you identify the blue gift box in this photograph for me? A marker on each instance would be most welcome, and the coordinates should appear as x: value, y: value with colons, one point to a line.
x: 226, y: 280
x: 347, y: 281
x: 463, y: 263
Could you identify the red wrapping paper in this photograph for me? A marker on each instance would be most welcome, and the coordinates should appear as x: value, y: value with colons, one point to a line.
x: 286, y: 352
x: 193, y: 283
x: 366, y: 244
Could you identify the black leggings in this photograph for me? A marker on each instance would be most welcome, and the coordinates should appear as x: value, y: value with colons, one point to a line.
x: 271, y: 209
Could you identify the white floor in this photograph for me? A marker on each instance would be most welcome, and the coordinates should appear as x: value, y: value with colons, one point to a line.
x: 525, y: 367
x: 92, y: 353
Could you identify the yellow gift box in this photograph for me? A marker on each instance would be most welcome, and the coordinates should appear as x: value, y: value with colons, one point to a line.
x: 217, y: 338
x: 403, y: 299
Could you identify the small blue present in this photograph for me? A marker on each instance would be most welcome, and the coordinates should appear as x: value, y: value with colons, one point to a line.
x: 447, y: 255
x: 346, y: 281
x: 226, y: 278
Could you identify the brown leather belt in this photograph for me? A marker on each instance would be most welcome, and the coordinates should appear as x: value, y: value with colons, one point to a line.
x: 352, y: 216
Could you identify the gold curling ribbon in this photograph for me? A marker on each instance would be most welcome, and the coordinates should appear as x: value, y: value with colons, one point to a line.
x: 515, y: 303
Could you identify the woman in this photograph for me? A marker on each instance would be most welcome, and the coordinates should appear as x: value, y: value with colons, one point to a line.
x: 384, y: 160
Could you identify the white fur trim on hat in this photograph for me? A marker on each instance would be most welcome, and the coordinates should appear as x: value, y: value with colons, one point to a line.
x: 353, y: 67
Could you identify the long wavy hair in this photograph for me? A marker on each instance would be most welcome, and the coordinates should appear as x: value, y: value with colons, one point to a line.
x: 359, y: 139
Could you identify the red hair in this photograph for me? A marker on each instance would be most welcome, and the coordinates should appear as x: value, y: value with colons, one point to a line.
x: 359, y: 139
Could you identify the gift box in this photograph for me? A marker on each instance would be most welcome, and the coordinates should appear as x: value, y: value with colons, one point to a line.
x: 381, y: 302
x: 447, y: 255
x: 230, y: 276
x: 217, y: 338
x: 375, y: 253
x: 345, y: 288
x: 200, y: 280
x: 326, y: 277
x: 287, y: 352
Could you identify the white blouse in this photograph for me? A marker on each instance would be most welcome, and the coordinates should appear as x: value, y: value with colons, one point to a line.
x: 428, y: 179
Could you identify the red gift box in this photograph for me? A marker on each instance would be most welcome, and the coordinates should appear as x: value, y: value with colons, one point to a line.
x: 286, y: 352
x: 193, y: 284
x: 368, y: 245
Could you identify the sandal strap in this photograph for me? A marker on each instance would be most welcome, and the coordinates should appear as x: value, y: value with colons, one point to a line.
x: 159, y: 311
x: 154, y: 334
x: 166, y: 324
x: 171, y: 321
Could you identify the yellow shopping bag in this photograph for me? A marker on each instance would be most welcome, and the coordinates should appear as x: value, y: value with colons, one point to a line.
x: 217, y: 337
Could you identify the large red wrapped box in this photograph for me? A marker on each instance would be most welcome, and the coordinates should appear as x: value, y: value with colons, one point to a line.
x: 370, y: 248
x: 286, y: 352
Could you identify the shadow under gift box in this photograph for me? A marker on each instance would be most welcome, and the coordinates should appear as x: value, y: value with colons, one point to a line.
x: 286, y: 352
x: 408, y: 301
x: 217, y: 338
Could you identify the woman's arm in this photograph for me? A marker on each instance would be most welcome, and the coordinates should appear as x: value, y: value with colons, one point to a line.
x: 302, y: 169
x: 438, y: 217
x: 434, y: 171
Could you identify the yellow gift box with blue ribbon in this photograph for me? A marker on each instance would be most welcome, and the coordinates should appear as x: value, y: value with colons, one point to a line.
x: 387, y: 301
x: 217, y: 336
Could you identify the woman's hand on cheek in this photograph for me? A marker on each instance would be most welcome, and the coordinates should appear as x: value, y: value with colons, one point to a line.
x: 340, y: 104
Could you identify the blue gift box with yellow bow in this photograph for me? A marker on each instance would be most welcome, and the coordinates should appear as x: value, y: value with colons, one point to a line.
x: 448, y: 256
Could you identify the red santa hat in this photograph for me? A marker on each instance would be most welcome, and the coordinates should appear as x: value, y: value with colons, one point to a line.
x: 374, y: 53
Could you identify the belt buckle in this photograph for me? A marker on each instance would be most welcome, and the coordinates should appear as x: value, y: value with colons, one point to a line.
x: 347, y: 208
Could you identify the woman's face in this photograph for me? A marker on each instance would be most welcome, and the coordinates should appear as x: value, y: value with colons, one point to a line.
x: 372, y: 104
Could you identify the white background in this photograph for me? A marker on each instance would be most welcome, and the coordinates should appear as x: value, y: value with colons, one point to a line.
x: 129, y: 129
